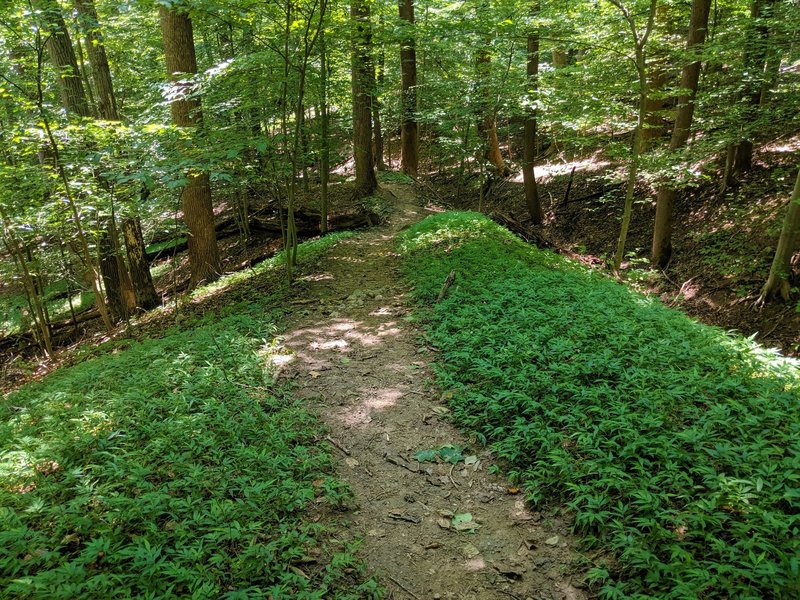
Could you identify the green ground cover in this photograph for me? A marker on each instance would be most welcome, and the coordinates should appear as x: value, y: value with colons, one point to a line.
x: 172, y: 468
x: 676, y: 445
x: 14, y: 310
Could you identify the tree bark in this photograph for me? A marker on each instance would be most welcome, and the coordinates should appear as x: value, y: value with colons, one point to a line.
x: 377, y: 129
x: 529, y: 148
x: 96, y: 51
x: 654, y: 123
x: 119, y: 292
x: 362, y: 79
x: 755, y: 64
x: 62, y: 55
x: 665, y: 198
x: 142, y: 280
x: 409, y: 130
x: 107, y: 109
x: 487, y: 124
x: 325, y: 149
x: 778, y: 281
x: 198, y: 212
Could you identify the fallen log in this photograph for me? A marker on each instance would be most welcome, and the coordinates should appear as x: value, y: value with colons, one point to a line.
x: 529, y: 233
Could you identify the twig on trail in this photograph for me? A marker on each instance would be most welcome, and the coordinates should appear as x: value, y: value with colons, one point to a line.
x: 667, y: 277
x: 680, y: 291
x: 450, y: 475
x: 744, y: 299
x: 394, y: 461
x: 402, y: 587
x: 446, y: 286
x: 337, y: 444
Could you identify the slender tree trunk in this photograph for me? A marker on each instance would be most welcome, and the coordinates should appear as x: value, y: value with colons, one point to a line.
x: 665, y: 198
x: 376, y: 113
x: 640, y: 43
x: 362, y: 78
x: 409, y: 131
x: 755, y: 61
x: 529, y: 146
x: 633, y: 168
x: 96, y: 51
x: 487, y: 123
x: 41, y: 321
x: 778, y: 281
x: 62, y: 55
x: 198, y: 212
x: 325, y: 149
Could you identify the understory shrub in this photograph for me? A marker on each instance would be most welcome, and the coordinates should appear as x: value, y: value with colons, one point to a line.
x: 676, y: 445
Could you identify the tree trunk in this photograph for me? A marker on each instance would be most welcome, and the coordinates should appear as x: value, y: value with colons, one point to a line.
x: 376, y: 113
x: 640, y: 43
x: 198, y: 212
x: 146, y: 295
x: 529, y: 147
x: 654, y: 123
x: 409, y: 131
x: 73, y: 97
x: 487, y: 124
x: 325, y: 149
x: 39, y: 315
x: 755, y: 63
x: 665, y: 198
x: 96, y: 51
x: 362, y: 79
x: 560, y: 58
x: 107, y: 109
x: 778, y: 281
x: 115, y: 280
x: 62, y: 55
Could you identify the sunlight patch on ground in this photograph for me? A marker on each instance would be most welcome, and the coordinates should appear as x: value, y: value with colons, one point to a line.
x: 373, y: 401
x: 548, y: 171
x: 337, y: 344
x: 316, y: 277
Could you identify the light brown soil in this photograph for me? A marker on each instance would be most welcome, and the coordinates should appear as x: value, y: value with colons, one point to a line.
x: 357, y: 361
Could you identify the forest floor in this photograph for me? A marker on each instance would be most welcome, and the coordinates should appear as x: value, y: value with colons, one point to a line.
x: 430, y: 530
x: 723, y: 242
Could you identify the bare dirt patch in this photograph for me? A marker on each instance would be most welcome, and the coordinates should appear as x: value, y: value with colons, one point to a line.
x: 431, y: 529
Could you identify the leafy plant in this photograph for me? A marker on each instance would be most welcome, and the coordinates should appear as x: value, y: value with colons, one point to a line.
x: 169, y: 469
x: 676, y: 445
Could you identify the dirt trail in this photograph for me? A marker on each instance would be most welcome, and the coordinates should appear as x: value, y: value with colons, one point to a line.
x: 363, y: 368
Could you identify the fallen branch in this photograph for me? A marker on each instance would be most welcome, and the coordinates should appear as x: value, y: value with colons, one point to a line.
x: 402, y: 587
x: 337, y: 444
x: 446, y: 286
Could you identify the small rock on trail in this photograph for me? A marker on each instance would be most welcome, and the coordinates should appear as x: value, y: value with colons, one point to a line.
x: 437, y: 529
